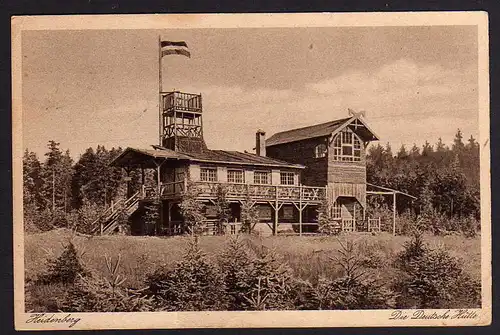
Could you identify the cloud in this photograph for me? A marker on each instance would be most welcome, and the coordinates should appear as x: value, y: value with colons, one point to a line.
x: 405, y: 102
x: 395, y: 80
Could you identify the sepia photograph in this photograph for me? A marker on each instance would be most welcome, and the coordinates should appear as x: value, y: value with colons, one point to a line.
x: 251, y: 170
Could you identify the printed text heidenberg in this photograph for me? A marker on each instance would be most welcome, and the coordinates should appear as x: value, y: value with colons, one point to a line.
x: 52, y: 318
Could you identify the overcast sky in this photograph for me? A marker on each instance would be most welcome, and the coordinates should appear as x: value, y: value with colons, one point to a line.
x: 84, y: 88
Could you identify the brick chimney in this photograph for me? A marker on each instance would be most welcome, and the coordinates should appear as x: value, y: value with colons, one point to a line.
x: 260, y: 143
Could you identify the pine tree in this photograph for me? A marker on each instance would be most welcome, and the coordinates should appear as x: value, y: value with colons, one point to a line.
x: 440, y: 147
x: 415, y: 152
x: 458, y: 145
x: 402, y: 153
x: 31, y: 179
x: 56, y: 178
x: 193, y: 284
x: 427, y: 149
x: 94, y: 179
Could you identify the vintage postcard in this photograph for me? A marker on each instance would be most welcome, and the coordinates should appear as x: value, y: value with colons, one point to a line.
x: 251, y: 170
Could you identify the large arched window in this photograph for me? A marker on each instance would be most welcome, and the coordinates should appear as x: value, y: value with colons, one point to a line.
x: 346, y: 146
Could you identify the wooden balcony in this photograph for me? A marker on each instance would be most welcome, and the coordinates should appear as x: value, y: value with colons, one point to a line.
x: 236, y: 192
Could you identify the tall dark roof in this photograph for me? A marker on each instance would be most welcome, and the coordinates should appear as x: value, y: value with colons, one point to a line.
x: 320, y: 130
x: 298, y: 134
x: 132, y: 156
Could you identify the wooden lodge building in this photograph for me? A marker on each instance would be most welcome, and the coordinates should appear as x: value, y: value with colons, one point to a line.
x: 291, y: 174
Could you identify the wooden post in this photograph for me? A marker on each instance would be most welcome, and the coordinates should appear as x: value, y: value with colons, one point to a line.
x: 159, y: 224
x: 354, y: 218
x: 129, y: 190
x: 394, y: 213
x: 169, y: 217
x: 160, y: 102
x: 158, y: 196
x: 276, y: 209
x: 300, y: 210
x: 158, y: 178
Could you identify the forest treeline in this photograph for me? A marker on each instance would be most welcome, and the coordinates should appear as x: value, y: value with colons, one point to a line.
x: 61, y: 192
x: 444, y: 179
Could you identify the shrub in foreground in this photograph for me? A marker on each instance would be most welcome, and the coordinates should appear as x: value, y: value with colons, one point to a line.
x: 353, y: 290
x: 101, y: 294
x: 433, y: 279
x: 65, y: 268
x: 193, y: 284
x: 256, y: 280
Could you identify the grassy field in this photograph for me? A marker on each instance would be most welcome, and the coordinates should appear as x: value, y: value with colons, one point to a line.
x: 309, y: 256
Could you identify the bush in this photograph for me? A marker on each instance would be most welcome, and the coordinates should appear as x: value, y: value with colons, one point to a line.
x: 433, y: 279
x: 99, y: 294
x: 46, y: 298
x: 256, y: 279
x: 326, y: 224
x: 192, y: 210
x: 270, y: 283
x: 194, y: 284
x: 152, y: 217
x: 347, y: 293
x: 65, y: 268
x: 235, y: 262
x: 88, y: 217
x: 249, y: 215
x: 353, y: 290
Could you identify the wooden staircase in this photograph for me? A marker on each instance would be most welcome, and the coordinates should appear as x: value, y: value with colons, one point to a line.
x: 109, y: 218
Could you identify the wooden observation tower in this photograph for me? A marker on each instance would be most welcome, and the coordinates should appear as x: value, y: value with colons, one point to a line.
x: 180, y: 113
x: 181, y: 122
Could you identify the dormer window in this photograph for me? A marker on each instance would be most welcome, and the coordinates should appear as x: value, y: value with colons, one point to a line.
x: 320, y: 150
x: 346, y: 146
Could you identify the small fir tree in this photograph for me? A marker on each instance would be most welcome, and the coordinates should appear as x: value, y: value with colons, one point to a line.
x: 193, y: 284
x: 65, y: 268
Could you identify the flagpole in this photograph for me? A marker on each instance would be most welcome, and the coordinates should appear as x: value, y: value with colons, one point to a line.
x: 160, y: 102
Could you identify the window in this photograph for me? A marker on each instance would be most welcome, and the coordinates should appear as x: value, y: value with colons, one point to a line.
x: 320, y: 150
x: 287, y: 178
x: 346, y: 146
x: 336, y: 210
x: 261, y: 177
x: 208, y: 174
x: 235, y: 176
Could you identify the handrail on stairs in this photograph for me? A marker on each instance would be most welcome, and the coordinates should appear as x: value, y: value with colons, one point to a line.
x: 110, y: 213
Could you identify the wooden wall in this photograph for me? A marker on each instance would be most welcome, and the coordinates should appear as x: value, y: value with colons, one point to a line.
x: 302, y: 152
x: 274, y: 173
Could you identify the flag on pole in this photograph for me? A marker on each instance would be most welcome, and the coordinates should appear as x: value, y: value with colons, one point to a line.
x: 174, y: 48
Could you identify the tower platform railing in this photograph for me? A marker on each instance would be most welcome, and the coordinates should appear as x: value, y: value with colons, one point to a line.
x: 180, y: 101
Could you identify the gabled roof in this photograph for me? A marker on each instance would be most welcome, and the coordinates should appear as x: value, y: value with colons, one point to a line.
x: 146, y: 157
x: 318, y: 130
